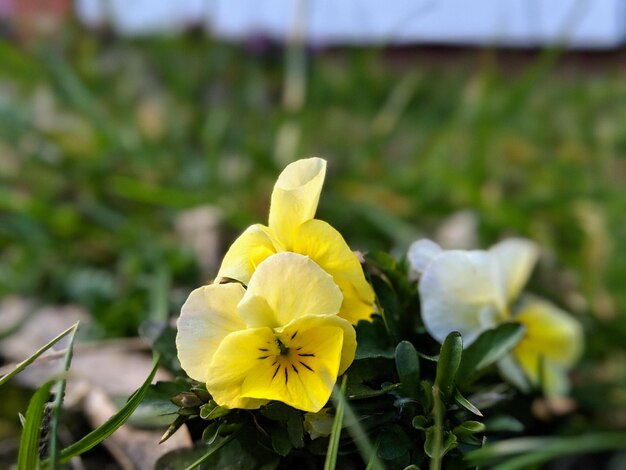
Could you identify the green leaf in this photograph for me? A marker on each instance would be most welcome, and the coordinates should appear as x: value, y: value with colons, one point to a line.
x: 333, y: 443
x: 408, y: 367
x: 212, y: 449
x: 373, y: 340
x: 466, y: 430
x: 448, y: 364
x: 212, y: 410
x: 98, y: 435
x: 211, y: 432
x: 466, y: 404
x: 28, y: 456
x: 503, y: 423
x: 24, y: 364
x: 393, y: 443
x: 281, y: 443
x: 490, y: 347
x: 448, y: 443
x: 58, y: 402
x: 157, y: 409
x: 389, y: 306
x: 172, y: 428
x: 293, y: 418
x: 420, y: 422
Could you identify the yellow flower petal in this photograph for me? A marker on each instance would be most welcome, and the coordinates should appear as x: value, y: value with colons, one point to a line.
x: 286, y: 286
x: 235, y: 359
x: 516, y: 258
x: 552, y: 336
x: 295, y: 197
x: 325, y: 245
x: 458, y: 293
x: 247, y: 252
x: 298, y: 365
x: 311, y: 321
x: 206, y: 318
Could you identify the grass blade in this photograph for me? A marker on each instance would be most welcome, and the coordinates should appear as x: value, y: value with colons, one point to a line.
x: 58, y: 402
x: 98, y: 435
x: 527, y: 451
x: 333, y: 443
x: 28, y: 455
x: 24, y: 364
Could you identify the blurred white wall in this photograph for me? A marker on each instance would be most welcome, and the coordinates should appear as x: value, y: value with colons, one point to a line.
x: 578, y: 23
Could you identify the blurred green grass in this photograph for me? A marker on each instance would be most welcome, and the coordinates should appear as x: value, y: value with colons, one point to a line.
x: 105, y: 141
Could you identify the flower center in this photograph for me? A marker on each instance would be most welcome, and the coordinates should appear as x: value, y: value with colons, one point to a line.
x: 284, y: 350
x: 290, y: 361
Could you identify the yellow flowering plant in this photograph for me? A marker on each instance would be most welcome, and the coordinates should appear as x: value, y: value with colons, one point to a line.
x: 293, y: 228
x: 300, y: 355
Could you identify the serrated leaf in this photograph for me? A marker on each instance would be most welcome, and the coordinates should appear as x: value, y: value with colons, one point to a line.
x: 408, y: 367
x: 448, y: 364
x: 490, y: 346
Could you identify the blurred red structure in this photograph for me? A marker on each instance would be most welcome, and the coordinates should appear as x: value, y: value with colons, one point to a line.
x: 27, y: 18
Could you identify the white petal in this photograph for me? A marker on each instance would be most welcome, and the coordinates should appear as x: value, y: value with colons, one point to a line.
x: 516, y: 257
x: 458, y: 293
x: 421, y: 253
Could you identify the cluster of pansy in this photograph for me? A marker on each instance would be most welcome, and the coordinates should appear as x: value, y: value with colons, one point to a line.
x: 277, y: 323
x: 472, y: 291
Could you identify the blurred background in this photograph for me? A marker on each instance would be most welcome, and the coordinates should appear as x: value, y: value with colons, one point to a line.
x: 138, y: 138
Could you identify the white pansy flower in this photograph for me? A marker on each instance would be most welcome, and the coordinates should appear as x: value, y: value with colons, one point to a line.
x: 472, y: 291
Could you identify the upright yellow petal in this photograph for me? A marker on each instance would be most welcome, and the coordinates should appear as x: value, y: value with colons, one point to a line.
x: 295, y: 197
x: 325, y: 245
x: 291, y: 286
x: 516, y: 258
x: 553, y: 340
x: 206, y: 318
x: 247, y: 252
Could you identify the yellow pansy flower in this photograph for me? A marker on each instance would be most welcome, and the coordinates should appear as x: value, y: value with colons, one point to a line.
x: 293, y: 228
x: 472, y: 291
x: 279, y: 339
